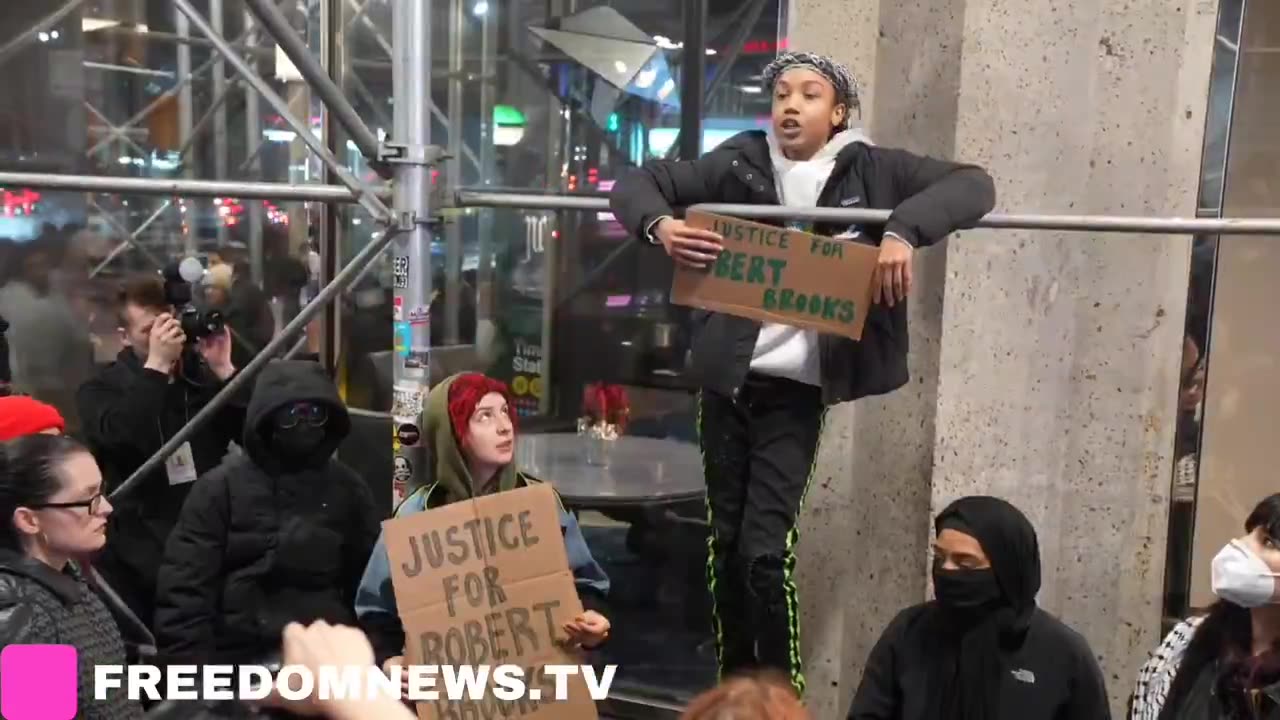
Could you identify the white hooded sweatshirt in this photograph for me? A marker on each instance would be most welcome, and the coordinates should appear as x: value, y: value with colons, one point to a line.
x: 782, y: 350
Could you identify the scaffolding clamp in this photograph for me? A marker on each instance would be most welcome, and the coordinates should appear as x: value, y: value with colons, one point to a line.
x: 396, y: 153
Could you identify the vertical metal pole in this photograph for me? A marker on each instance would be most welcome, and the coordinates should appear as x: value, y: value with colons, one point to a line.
x: 333, y: 58
x: 560, y: 159
x: 488, y: 94
x: 185, y: 121
x: 253, y: 137
x: 220, y: 112
x: 411, y: 272
x: 453, y: 246
x: 693, y: 71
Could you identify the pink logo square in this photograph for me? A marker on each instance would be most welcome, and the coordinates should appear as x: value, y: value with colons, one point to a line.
x: 38, y: 682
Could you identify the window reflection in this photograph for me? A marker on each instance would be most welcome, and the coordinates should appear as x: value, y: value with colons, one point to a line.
x: 1213, y: 475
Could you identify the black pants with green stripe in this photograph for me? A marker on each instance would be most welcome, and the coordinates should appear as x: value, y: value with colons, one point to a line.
x: 758, y: 455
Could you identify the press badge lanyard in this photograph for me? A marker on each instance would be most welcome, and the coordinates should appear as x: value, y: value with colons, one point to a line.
x: 181, y: 465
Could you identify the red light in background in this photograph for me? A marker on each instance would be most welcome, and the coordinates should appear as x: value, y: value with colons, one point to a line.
x: 755, y: 47
x: 20, y: 202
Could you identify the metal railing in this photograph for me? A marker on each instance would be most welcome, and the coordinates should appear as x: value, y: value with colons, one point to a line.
x: 476, y: 198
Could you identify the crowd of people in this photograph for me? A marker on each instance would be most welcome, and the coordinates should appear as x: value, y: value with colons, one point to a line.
x: 253, y: 539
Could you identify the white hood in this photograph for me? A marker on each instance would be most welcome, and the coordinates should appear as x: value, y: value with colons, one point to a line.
x: 799, y: 182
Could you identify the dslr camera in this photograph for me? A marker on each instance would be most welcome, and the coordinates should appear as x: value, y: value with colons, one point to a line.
x: 178, y: 279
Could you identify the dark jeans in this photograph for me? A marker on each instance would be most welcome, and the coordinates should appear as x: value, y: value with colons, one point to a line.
x: 758, y: 455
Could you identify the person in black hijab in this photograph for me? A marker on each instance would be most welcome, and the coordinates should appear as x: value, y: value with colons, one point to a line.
x: 982, y: 649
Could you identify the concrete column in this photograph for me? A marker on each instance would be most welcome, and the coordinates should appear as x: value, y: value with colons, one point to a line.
x: 1044, y: 366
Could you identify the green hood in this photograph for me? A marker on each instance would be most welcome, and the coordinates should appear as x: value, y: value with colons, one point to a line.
x: 451, y: 473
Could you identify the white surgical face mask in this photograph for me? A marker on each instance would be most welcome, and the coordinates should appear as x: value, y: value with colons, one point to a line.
x: 1241, y: 577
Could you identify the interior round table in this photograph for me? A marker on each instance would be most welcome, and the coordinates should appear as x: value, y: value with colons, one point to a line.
x: 635, y: 471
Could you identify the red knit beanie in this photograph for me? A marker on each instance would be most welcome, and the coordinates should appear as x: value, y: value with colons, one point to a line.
x: 465, y: 393
x: 21, y: 415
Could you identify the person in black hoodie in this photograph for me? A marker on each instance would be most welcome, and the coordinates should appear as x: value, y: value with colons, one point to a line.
x: 279, y: 534
x: 765, y: 388
x: 982, y: 650
x: 131, y: 408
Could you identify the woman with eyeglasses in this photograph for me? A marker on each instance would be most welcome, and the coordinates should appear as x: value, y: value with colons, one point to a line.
x: 54, y: 510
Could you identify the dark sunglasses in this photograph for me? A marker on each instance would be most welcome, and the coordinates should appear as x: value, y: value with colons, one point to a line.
x: 94, y: 504
x: 311, y: 413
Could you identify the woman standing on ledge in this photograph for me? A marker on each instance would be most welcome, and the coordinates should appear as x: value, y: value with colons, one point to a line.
x: 765, y: 388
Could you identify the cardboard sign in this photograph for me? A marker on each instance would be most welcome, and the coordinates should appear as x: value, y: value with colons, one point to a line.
x: 487, y: 581
x: 784, y: 276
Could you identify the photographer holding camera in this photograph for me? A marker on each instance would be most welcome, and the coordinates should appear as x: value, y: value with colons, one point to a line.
x: 175, y: 359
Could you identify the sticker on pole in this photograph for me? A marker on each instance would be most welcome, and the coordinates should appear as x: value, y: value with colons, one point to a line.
x: 397, y: 309
x: 778, y: 275
x: 420, y: 316
x: 401, y: 474
x: 406, y: 402
x: 419, y: 358
x: 408, y: 435
x: 403, y: 338
x: 400, y: 271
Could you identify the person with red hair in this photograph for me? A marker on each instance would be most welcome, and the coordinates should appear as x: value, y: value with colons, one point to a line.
x: 471, y: 434
x: 21, y: 415
x: 765, y: 695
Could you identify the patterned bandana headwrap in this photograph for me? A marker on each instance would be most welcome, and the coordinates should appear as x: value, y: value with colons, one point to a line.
x: 839, y: 76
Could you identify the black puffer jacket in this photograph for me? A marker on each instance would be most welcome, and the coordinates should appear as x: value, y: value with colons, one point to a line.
x: 128, y: 413
x: 40, y: 606
x: 259, y: 545
x: 929, y: 198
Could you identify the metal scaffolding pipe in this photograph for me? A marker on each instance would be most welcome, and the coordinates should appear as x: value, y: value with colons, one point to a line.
x: 411, y: 363
x: 183, y: 188
x: 533, y: 201
x: 529, y: 201
x: 242, y: 378
x: 24, y: 38
x: 363, y: 193
x: 277, y: 25
x: 1029, y: 221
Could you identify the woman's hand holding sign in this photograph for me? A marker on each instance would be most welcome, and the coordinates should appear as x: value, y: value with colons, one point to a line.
x: 588, y: 629
x: 688, y: 245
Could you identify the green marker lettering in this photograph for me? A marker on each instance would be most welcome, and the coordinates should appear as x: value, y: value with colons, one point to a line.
x: 846, y: 311
x: 739, y: 259
x: 722, y: 264
x: 829, y: 306
x: 786, y: 299
x: 802, y: 302
x: 815, y: 244
x: 770, y: 299
x: 815, y: 304
x: 777, y: 265
x: 783, y: 241
x: 755, y: 273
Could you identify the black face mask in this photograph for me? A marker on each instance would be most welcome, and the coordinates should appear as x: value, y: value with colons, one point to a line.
x: 298, y: 431
x: 968, y: 592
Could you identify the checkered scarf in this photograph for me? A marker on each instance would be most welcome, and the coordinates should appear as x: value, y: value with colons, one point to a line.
x: 837, y: 73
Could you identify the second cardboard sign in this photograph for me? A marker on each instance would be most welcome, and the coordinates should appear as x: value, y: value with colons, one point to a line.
x: 784, y: 276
